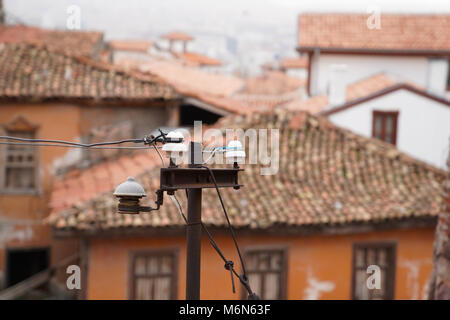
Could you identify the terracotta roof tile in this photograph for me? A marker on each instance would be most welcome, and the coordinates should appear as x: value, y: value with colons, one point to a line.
x: 273, y: 83
x: 195, y: 59
x: 327, y: 176
x: 294, y: 63
x: 397, y: 32
x: 189, y: 80
x: 245, y: 103
x: 130, y: 45
x: 355, y: 91
x: 85, y: 43
x: 35, y: 72
x: 177, y: 35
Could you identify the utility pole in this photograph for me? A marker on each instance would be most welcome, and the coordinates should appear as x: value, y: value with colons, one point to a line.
x: 192, y: 179
x: 194, y: 230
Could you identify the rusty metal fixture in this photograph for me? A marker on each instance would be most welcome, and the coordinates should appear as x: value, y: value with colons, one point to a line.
x: 130, y: 193
x: 172, y: 179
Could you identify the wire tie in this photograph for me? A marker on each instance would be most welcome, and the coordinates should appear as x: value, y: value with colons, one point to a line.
x: 229, y: 266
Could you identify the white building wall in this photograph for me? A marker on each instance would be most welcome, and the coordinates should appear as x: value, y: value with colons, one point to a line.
x: 362, y: 66
x: 423, y: 129
x: 437, y: 76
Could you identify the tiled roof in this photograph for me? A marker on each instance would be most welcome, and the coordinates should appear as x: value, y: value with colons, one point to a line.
x: 245, y: 103
x: 294, y: 63
x: 355, y: 91
x: 190, y: 80
x: 224, y: 91
x: 35, y: 72
x: 273, y: 82
x: 130, y: 45
x: 85, y: 43
x: 176, y: 35
x: 327, y: 176
x: 398, y: 32
x: 196, y: 59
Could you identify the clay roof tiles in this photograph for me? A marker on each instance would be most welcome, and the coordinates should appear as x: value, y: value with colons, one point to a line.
x: 28, y: 71
x: 404, y: 32
x: 82, y: 43
x: 327, y: 176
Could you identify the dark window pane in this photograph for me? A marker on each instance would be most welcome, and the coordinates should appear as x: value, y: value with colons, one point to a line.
x: 20, y: 164
x: 378, y: 126
x: 272, y: 286
x: 154, y: 276
x: 265, y: 272
x: 384, y: 126
x: 20, y: 178
x: 381, y: 256
x: 389, y: 125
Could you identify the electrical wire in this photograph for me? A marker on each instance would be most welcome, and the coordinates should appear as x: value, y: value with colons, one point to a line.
x: 178, y: 205
x: 85, y: 145
x: 229, y: 265
x: 213, y: 152
x: 159, y: 153
x: 37, y: 144
x: 233, y: 235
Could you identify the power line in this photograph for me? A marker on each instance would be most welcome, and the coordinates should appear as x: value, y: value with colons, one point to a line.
x: 228, y: 220
x: 36, y: 144
x: 85, y: 145
x: 229, y: 265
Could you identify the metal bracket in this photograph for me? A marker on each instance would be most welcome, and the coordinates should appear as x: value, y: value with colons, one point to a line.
x: 172, y: 179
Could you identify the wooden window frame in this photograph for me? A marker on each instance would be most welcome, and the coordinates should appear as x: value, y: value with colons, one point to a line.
x: 151, y: 253
x: 390, y: 281
x: 284, y: 249
x: 385, y: 114
x: 20, y: 124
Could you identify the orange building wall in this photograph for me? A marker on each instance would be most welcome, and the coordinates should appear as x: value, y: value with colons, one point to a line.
x: 55, y: 121
x: 311, y: 260
x: 60, y: 121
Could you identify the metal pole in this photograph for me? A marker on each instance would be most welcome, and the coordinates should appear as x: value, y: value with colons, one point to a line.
x: 193, y: 244
x: 194, y: 231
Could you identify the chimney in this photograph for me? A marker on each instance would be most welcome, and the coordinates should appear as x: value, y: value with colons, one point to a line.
x: 337, y: 88
x: 437, y: 76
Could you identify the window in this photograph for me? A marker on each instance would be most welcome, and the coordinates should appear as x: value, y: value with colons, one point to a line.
x: 381, y: 255
x: 266, y: 271
x: 153, y: 275
x: 19, y: 165
x: 384, y: 126
x: 448, y: 75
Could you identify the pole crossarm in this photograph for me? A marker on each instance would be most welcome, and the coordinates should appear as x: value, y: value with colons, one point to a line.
x: 198, y: 178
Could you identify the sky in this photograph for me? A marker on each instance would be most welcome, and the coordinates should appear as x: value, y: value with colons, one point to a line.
x: 139, y: 15
x: 259, y: 29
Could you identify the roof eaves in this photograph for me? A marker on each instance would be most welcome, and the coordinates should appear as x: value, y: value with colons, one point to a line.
x: 374, y: 51
x: 380, y: 93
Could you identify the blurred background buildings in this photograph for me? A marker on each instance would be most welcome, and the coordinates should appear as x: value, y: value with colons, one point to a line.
x: 363, y: 109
